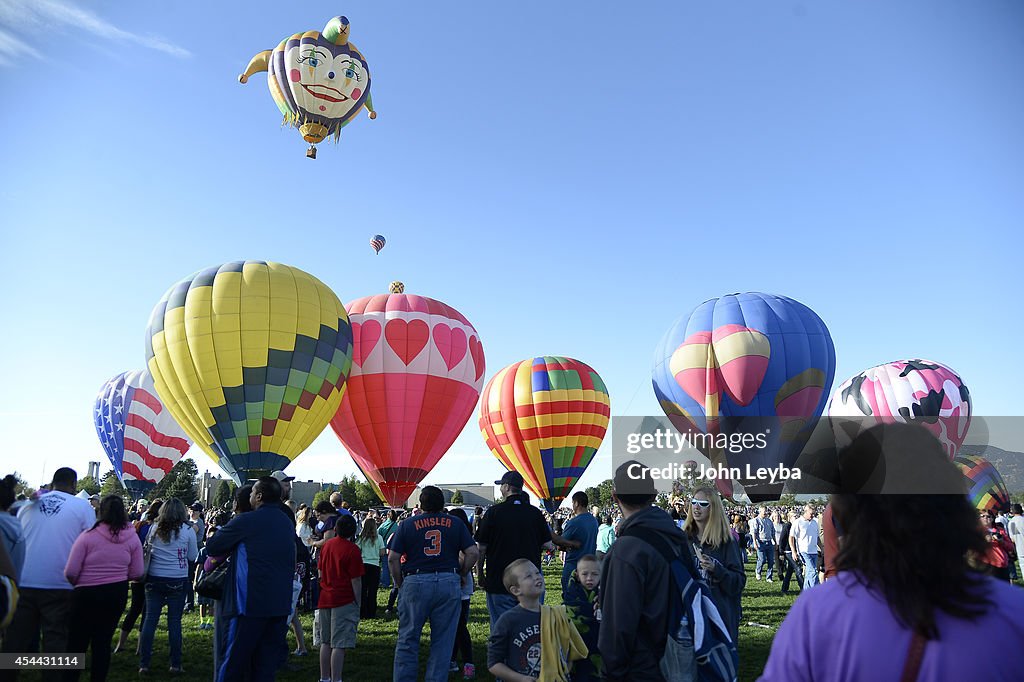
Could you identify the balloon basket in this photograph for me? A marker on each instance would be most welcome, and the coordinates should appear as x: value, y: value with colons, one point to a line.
x: 311, y: 152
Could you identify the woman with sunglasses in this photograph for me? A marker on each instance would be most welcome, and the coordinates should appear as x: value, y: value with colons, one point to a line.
x: 1000, y: 547
x: 718, y: 555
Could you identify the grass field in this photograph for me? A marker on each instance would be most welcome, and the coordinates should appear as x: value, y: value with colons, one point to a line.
x: 371, y: 660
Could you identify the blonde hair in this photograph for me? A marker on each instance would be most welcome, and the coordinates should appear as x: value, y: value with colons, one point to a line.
x: 511, y: 575
x: 716, y: 531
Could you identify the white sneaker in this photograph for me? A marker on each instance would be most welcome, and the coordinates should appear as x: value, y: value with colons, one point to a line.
x: 769, y: 579
x: 758, y: 577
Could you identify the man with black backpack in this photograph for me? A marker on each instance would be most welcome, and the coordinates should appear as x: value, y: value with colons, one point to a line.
x: 658, y: 619
x: 636, y: 581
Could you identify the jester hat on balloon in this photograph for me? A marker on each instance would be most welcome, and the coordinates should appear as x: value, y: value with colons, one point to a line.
x: 747, y: 363
x: 986, y: 488
x: 138, y: 433
x: 545, y: 418
x: 919, y: 391
x: 417, y: 372
x: 319, y: 81
x: 251, y: 358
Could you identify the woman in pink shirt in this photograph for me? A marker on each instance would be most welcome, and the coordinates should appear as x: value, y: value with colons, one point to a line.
x: 101, y: 563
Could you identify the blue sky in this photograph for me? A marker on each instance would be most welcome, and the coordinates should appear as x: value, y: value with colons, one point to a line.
x: 571, y: 176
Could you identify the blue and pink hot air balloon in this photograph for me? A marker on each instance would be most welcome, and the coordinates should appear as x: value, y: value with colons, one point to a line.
x: 747, y: 363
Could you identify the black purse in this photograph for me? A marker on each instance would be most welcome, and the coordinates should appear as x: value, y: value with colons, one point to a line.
x: 210, y: 584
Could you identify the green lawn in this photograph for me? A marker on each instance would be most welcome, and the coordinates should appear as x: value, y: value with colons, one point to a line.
x: 371, y: 660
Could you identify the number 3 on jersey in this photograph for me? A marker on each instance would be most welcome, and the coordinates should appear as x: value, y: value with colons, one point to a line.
x: 434, y: 538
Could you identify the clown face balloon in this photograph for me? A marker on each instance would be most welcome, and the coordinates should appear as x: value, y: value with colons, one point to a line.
x: 319, y: 81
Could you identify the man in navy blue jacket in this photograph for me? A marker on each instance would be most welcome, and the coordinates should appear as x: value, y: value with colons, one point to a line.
x: 258, y: 592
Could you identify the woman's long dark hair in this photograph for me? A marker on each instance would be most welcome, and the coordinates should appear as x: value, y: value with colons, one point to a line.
x: 7, y: 487
x: 113, y: 513
x: 172, y: 517
x: 460, y: 513
x: 243, y: 502
x: 914, y: 549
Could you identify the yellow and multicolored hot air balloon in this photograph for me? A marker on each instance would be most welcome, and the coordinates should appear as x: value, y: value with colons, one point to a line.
x: 986, y: 488
x: 319, y: 81
x: 251, y: 359
x: 545, y: 418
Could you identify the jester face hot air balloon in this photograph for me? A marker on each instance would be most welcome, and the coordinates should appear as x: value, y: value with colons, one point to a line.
x: 919, y: 391
x: 545, y: 418
x: 251, y: 358
x: 986, y: 488
x: 418, y: 368
x: 319, y: 81
x: 744, y: 364
x: 139, y: 435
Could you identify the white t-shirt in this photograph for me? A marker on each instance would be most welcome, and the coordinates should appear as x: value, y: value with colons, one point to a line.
x: 1016, y: 530
x: 806, y: 533
x: 52, y: 524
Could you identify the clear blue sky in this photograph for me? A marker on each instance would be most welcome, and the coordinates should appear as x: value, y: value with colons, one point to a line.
x: 571, y: 176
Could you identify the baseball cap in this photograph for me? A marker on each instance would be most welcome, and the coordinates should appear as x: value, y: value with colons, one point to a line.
x: 281, y: 476
x: 94, y: 497
x: 197, y: 506
x: 512, y: 478
x: 633, y: 478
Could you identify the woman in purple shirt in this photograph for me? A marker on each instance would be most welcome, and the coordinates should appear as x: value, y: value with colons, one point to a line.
x: 906, y: 603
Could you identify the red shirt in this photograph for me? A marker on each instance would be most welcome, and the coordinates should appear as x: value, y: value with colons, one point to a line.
x: 340, y: 562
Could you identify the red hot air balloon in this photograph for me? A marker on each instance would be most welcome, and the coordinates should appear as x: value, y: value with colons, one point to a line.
x: 417, y: 371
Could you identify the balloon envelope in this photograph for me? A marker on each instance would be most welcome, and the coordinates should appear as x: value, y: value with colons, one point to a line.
x: 545, y: 418
x: 138, y: 433
x: 920, y: 391
x: 987, y: 490
x: 377, y: 243
x: 251, y: 358
x: 319, y: 81
x: 741, y: 364
x: 417, y: 372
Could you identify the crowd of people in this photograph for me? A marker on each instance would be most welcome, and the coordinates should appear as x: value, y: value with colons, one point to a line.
x: 910, y: 583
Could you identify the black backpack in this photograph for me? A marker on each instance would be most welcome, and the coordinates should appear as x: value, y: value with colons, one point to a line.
x: 717, y: 657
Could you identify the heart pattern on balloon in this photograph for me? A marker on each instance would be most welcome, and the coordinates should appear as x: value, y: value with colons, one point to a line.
x: 451, y: 343
x: 407, y: 339
x: 364, y: 339
x: 476, y: 349
x: 733, y: 359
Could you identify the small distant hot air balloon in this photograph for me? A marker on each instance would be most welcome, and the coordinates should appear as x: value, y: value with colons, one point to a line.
x: 545, y: 418
x: 319, y: 81
x: 377, y: 242
x: 138, y: 433
x: 397, y: 288
x: 743, y: 363
x: 417, y: 372
x: 919, y: 391
x: 986, y: 487
x: 251, y: 358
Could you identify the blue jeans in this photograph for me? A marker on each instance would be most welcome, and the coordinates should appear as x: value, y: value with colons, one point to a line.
x: 257, y: 647
x: 385, y: 576
x: 436, y: 597
x: 161, y: 591
x: 498, y: 604
x: 810, y: 569
x: 765, y: 554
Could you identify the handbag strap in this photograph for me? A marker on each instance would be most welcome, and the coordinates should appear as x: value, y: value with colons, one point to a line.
x: 915, y: 654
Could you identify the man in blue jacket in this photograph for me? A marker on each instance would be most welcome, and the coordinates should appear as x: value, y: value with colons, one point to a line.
x: 258, y: 593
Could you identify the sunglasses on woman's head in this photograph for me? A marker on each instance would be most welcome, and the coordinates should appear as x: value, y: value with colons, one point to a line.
x: 701, y: 503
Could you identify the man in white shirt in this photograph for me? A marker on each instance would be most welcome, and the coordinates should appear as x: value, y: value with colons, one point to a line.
x: 764, y: 541
x: 51, y: 523
x: 1015, y: 527
x: 804, y: 541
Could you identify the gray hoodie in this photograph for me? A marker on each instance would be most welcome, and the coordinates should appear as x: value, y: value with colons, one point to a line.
x: 635, y: 589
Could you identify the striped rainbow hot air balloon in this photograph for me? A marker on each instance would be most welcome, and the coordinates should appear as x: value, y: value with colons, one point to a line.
x: 987, y: 490
x: 545, y: 418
